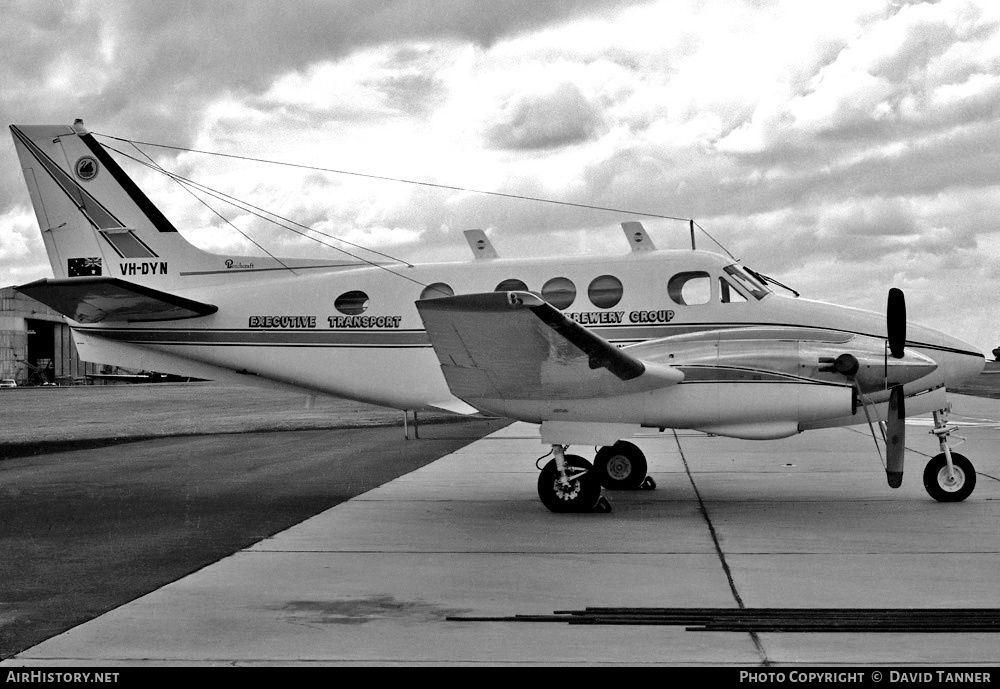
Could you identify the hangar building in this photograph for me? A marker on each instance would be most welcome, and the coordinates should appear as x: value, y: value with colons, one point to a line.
x: 36, y: 346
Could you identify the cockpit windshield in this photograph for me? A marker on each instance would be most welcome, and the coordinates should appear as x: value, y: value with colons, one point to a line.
x: 746, y: 281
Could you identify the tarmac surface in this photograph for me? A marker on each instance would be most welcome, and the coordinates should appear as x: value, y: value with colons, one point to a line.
x: 433, y: 567
x: 144, y: 499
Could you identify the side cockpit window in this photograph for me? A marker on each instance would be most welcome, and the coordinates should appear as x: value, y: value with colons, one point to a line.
x: 690, y: 288
x: 730, y: 294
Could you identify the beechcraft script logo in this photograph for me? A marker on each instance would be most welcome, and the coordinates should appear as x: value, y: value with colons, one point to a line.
x: 81, y: 267
x: 86, y: 168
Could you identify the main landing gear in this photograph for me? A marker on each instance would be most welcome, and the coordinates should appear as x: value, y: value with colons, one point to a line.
x: 622, y: 466
x: 949, y: 476
x: 569, y: 483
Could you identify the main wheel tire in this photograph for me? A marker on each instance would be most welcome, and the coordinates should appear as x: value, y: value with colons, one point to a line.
x: 936, y: 478
x: 581, y: 492
x: 621, y: 466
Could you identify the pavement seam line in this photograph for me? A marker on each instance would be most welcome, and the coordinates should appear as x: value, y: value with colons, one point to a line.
x: 758, y: 644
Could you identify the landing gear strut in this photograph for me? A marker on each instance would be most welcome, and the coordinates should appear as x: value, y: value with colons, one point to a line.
x: 949, y: 476
x: 622, y: 466
x: 568, y: 483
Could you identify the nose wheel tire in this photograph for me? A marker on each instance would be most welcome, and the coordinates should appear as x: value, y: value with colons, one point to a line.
x: 944, y: 488
x: 578, y: 493
x: 621, y: 466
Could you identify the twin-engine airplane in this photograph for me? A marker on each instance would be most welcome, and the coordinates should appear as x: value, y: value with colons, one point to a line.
x: 592, y: 349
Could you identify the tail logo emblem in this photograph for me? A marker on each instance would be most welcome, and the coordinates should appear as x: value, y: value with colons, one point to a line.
x: 86, y: 168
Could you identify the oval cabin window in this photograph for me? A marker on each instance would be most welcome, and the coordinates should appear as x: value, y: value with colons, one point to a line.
x: 511, y: 286
x: 605, y: 291
x: 351, y: 303
x: 437, y: 290
x: 560, y: 292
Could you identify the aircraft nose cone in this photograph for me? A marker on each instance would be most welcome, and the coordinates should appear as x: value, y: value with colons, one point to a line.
x: 958, y: 361
x: 965, y: 367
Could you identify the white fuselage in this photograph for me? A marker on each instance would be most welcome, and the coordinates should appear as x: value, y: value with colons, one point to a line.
x: 293, y: 329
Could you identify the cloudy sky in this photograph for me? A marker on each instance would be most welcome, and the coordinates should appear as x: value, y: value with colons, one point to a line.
x: 842, y: 147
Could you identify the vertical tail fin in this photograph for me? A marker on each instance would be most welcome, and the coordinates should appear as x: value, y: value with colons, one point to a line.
x: 90, y: 213
x: 95, y: 221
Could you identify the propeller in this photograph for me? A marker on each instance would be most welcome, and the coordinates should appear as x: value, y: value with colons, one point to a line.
x: 895, y: 322
x: 895, y: 427
x: 895, y: 437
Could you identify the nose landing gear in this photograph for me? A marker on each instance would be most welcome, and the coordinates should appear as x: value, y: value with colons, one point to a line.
x: 949, y: 476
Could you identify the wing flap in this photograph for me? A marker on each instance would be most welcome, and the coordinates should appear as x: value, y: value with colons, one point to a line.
x: 514, y: 345
x: 97, y: 299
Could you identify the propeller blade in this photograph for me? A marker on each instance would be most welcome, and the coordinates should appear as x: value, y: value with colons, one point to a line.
x: 895, y: 322
x: 895, y: 437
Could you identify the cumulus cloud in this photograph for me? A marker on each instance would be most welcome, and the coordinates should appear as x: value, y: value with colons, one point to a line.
x: 22, y: 253
x: 922, y: 67
x: 18, y: 235
x: 560, y: 117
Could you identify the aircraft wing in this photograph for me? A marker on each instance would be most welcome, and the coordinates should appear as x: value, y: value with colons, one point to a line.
x: 96, y: 299
x: 516, y: 346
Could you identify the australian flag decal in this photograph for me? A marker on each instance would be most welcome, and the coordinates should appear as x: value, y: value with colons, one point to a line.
x: 80, y: 267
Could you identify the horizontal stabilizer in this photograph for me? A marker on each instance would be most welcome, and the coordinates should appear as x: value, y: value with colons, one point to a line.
x: 514, y: 345
x: 96, y: 299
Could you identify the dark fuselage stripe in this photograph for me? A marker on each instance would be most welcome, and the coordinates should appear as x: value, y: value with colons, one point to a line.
x: 266, y: 338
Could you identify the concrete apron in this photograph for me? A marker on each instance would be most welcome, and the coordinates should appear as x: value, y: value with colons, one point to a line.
x: 806, y: 522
